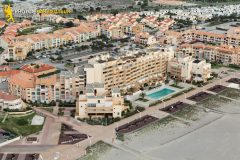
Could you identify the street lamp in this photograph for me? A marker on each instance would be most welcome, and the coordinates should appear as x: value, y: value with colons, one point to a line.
x: 202, y: 87
x: 140, y: 114
x: 90, y: 142
x: 185, y: 95
x: 164, y: 105
x: 117, y: 125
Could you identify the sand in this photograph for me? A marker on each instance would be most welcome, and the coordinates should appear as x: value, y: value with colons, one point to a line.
x: 200, y: 135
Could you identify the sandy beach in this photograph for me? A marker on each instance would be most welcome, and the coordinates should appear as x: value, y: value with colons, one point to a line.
x: 191, y: 134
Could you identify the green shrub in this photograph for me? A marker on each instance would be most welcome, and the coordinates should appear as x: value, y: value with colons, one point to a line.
x: 22, y: 122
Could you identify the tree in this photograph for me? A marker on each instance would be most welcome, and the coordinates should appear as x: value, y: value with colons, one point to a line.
x: 98, y: 9
x: 114, y: 12
x: 160, y: 18
x: 81, y: 17
x: 91, y: 9
x: 59, y: 58
x: 142, y: 95
x: 69, y: 24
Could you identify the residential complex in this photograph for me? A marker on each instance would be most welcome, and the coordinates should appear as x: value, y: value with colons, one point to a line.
x: 129, y: 69
x: 222, y: 54
x: 119, y: 26
x: 44, y: 83
x: 210, y: 37
x: 18, y: 47
x: 94, y: 102
x: 187, y: 69
x: 98, y: 71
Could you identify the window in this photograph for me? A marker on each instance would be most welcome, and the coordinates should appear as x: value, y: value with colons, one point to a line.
x: 98, y: 101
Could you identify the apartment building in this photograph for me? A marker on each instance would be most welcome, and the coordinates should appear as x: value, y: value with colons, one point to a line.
x: 44, y: 83
x: 95, y: 103
x: 222, y: 54
x: 130, y: 68
x: 8, y: 101
x: 210, y: 37
x: 186, y: 69
x: 19, y: 46
x: 144, y: 38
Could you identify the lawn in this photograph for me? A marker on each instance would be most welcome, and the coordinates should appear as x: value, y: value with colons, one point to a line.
x: 20, y: 125
x: 214, y: 102
x: 189, y: 113
x: 231, y: 93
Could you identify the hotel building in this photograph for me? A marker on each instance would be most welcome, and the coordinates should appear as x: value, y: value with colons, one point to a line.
x: 187, y: 69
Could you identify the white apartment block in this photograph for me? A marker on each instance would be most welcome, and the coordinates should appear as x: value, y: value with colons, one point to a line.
x: 187, y: 69
x: 95, y: 103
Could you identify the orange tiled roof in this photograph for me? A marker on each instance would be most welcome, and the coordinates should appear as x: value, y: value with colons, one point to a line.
x: 33, y: 69
x: 23, y: 80
x: 7, y: 96
x: 8, y: 73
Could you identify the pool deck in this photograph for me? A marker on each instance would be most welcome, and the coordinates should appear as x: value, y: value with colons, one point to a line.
x: 151, y: 100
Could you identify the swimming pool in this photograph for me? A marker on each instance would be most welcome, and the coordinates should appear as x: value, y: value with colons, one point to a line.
x: 160, y: 93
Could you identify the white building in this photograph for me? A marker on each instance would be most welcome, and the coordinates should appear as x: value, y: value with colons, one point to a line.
x: 187, y: 69
x: 95, y: 103
x: 8, y: 101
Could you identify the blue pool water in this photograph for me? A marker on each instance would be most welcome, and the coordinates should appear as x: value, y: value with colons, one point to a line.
x: 161, y: 93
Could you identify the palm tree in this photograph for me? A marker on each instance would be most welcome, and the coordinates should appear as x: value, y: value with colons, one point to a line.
x: 142, y: 95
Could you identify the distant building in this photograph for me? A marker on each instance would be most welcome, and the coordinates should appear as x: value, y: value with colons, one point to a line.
x: 222, y: 54
x: 95, y: 103
x: 144, y: 38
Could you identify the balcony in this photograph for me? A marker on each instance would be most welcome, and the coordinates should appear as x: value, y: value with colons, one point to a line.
x: 99, y: 110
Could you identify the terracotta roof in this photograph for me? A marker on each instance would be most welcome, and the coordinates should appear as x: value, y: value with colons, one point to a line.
x: 7, y: 96
x: 8, y: 73
x: 35, y: 68
x: 22, y: 79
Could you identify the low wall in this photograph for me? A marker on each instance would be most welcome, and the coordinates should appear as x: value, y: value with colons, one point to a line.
x: 9, y: 141
x: 20, y: 113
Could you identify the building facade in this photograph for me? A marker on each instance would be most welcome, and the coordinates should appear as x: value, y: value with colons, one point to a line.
x: 127, y: 70
x: 44, y: 83
x: 95, y: 103
x: 188, y: 69
x: 221, y: 54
